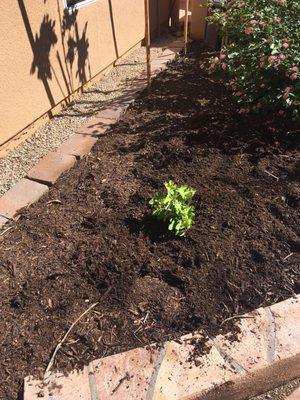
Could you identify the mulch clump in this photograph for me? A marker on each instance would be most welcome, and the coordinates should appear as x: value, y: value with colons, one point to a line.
x: 99, y: 243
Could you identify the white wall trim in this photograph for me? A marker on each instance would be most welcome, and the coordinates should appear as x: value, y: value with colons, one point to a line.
x: 82, y: 3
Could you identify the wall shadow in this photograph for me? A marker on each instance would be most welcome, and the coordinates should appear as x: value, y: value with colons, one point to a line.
x: 40, y: 46
x: 75, y: 46
x: 113, y: 28
x: 74, y: 60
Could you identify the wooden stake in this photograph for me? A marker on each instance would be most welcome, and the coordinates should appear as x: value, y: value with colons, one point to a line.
x: 158, y: 17
x: 148, y: 43
x: 186, y: 25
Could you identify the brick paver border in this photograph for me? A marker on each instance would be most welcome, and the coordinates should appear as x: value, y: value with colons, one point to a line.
x: 295, y: 395
x: 266, y: 355
x: 24, y: 193
x: 47, y: 171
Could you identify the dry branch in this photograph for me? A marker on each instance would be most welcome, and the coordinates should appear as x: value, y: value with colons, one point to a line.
x: 48, y: 369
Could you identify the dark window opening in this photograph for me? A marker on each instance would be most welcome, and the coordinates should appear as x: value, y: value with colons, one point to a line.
x: 72, y: 3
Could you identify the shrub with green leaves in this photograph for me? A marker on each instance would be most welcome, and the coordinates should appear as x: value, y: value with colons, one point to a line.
x: 175, y: 207
x: 262, y: 54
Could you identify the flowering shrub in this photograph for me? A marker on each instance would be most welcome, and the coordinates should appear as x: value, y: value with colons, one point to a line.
x: 262, y: 53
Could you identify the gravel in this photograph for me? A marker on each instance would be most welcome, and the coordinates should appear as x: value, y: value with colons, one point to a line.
x: 20, y: 160
x: 280, y: 393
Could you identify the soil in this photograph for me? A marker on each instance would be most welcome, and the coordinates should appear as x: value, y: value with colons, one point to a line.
x: 100, y: 244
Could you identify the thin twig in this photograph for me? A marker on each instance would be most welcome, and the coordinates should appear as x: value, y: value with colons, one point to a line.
x: 273, y: 176
x: 125, y: 378
x: 6, y: 217
x: 6, y: 230
x: 137, y: 337
x: 56, y: 201
x: 234, y: 317
x: 64, y: 338
x: 288, y: 256
x: 138, y: 329
x: 145, y: 319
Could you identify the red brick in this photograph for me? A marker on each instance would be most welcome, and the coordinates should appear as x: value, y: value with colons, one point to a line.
x: 24, y: 193
x: 180, y: 378
x: 51, y: 167
x: 95, y: 127
x: 249, y: 351
x: 229, y: 371
x: 158, y: 64
x: 75, y: 386
x: 287, y: 328
x: 78, y: 145
x: 138, y: 85
x: 136, y: 366
x: 127, y: 98
x: 295, y: 395
x: 112, y: 113
x: 168, y: 54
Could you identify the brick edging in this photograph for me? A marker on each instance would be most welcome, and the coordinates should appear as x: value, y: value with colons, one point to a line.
x: 295, y: 395
x: 49, y: 168
x: 231, y: 370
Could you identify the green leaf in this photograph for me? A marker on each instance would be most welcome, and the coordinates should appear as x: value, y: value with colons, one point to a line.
x: 174, y: 207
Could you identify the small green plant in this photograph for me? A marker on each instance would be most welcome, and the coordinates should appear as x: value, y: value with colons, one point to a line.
x: 174, y: 207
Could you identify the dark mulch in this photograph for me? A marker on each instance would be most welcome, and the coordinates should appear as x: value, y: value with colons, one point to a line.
x: 60, y: 258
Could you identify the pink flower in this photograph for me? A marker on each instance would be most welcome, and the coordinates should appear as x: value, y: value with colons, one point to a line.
x: 282, y: 57
x: 222, y: 56
x: 253, y: 22
x: 295, y: 69
x: 224, y: 67
x: 262, y: 64
x: 285, y: 45
x: 272, y: 59
x: 286, y: 92
x: 249, y: 31
x: 262, y: 23
x: 293, y: 77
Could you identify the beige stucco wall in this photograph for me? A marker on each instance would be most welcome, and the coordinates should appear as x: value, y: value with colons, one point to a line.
x: 46, y: 54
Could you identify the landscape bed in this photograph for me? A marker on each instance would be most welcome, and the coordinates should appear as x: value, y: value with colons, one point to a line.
x: 92, y: 238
